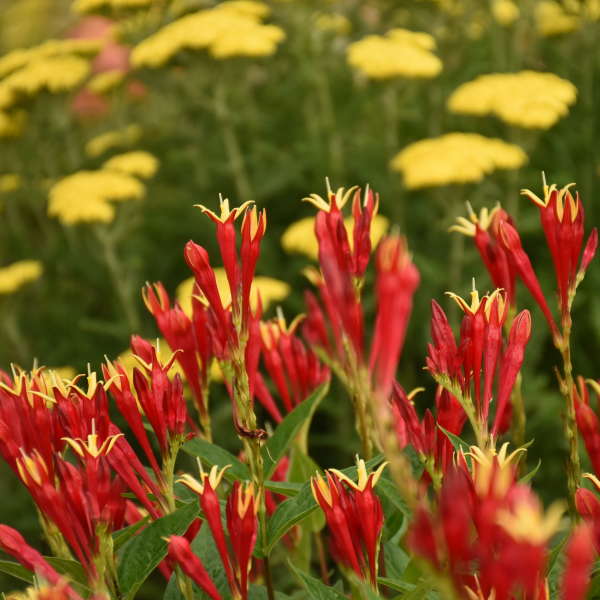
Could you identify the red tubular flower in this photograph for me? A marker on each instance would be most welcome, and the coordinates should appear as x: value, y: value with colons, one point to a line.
x: 181, y: 553
x: 484, y: 229
x: 181, y: 332
x: 512, y: 360
x: 242, y: 526
x: 587, y: 504
x: 295, y: 369
x: 363, y: 214
x: 562, y: 218
x: 493, y: 543
x: 580, y: 556
x: 13, y: 543
x: 587, y: 420
x: 354, y: 516
x: 397, y: 280
x: 511, y: 241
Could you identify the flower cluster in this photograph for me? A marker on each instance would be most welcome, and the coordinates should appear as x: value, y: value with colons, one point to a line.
x: 14, y: 276
x: 399, y: 53
x: 455, y: 158
x: 529, y: 99
x: 227, y: 30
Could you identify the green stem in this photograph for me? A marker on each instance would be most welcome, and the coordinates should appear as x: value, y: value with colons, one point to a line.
x: 232, y: 144
x: 119, y: 278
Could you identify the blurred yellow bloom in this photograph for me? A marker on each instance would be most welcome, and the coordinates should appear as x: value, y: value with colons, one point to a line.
x: 400, y: 53
x: 112, y: 139
x: 249, y: 8
x: 335, y: 23
x: 16, y: 275
x: 11, y: 124
x: 528, y: 99
x: 139, y: 163
x: 300, y: 236
x: 455, y: 158
x: 16, y: 59
x: 105, y: 82
x: 86, y: 6
x: 85, y: 196
x: 552, y: 19
x: 270, y: 290
x: 55, y: 74
x: 506, y: 12
x: 225, y: 31
x: 9, y: 182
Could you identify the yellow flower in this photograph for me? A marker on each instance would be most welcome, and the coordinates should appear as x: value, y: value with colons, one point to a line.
x: 86, y: 6
x: 552, y: 19
x: 112, y: 139
x: 300, y: 236
x: 139, y: 163
x: 247, y: 8
x: 85, y: 196
x: 526, y: 99
x: 163, y: 352
x: 270, y: 290
x: 400, y: 53
x: 9, y: 182
x: 335, y: 23
x: 455, y: 158
x: 54, y: 73
x: 17, y: 59
x: 224, y: 31
x: 16, y: 275
x: 105, y: 82
x: 506, y: 12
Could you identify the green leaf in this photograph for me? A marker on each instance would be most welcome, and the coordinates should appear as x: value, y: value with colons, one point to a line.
x: 210, y: 454
x: 288, y: 429
x: 141, y: 554
x: 394, y: 584
x: 124, y: 535
x: 71, y: 568
x: 529, y: 476
x: 16, y: 570
x: 302, y: 468
x: 316, y: 589
x: 457, y: 442
x: 285, y: 488
x: 172, y: 591
x: 287, y: 514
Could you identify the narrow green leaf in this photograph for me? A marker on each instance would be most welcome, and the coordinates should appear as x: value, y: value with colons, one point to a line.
x: 210, y: 454
x: 141, y: 554
x: 16, y: 570
x: 315, y: 588
x: 394, y: 584
x: 71, y: 568
x: 287, y: 430
x: 285, y: 488
x: 457, y: 442
x: 529, y: 476
x: 124, y: 535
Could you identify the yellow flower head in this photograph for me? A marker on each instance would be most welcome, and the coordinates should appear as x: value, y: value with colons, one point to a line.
x: 400, y: 53
x: 497, y: 296
x: 9, y: 182
x: 364, y: 479
x: 562, y: 195
x: 88, y: 6
x: 528, y: 99
x: 505, y: 12
x: 552, y: 19
x: 14, y: 276
x: 113, y: 139
x: 106, y: 81
x: 527, y: 522
x: 270, y: 290
x: 54, y: 74
x: 90, y: 446
x: 493, y: 472
x: 467, y: 225
x: 229, y: 29
x: 139, y: 163
x: 85, y: 196
x: 455, y: 158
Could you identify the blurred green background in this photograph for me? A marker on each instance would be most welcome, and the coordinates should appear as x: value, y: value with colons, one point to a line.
x: 268, y: 119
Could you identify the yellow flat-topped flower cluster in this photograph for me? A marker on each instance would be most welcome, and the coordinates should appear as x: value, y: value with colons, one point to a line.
x: 529, y: 99
x: 270, y: 290
x: 551, y: 18
x: 87, y: 196
x: 455, y: 158
x: 300, y: 236
x: 398, y: 53
x: 118, y: 138
x: 227, y: 30
x: 14, y: 276
x: 87, y: 6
